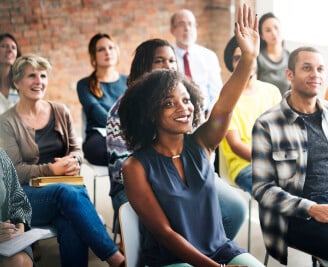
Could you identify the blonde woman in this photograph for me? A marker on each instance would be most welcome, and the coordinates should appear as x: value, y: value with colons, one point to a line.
x: 38, y: 136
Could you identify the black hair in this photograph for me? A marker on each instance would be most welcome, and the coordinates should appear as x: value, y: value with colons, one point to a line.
x: 144, y: 57
x: 263, y: 18
x: 142, y: 102
x: 293, y: 55
x: 229, y: 51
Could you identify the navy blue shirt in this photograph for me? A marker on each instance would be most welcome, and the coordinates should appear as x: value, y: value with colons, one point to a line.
x: 192, y: 207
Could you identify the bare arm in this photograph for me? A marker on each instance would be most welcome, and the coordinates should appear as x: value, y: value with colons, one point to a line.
x: 240, y: 148
x: 214, y: 129
x: 144, y: 202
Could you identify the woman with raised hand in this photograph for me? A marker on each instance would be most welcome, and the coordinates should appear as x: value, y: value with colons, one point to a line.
x: 150, y: 55
x: 38, y: 135
x: 169, y: 178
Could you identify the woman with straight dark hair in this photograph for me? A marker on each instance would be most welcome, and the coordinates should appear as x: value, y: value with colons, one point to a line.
x: 97, y: 94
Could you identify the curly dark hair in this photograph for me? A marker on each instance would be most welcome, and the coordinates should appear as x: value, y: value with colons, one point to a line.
x: 141, y: 105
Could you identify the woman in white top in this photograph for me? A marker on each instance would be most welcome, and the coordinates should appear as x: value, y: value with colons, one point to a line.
x: 9, y: 51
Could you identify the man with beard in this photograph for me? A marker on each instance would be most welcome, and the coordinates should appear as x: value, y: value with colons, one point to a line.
x: 197, y: 62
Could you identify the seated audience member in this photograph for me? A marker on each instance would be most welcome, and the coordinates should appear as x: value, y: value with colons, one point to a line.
x: 273, y: 57
x: 38, y: 136
x: 256, y: 98
x: 97, y: 93
x: 289, y: 167
x: 9, y: 51
x: 15, y: 213
x: 197, y: 62
x: 169, y: 178
x: 150, y: 55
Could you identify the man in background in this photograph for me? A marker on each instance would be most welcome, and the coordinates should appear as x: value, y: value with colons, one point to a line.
x: 197, y: 62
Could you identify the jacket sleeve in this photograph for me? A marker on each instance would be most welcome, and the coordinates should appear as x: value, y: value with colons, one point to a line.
x: 18, y: 206
x: 266, y: 188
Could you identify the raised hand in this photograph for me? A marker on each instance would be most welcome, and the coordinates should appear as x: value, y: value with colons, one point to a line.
x: 246, y: 31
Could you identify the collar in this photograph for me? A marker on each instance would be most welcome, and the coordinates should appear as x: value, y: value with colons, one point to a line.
x: 180, y: 52
x: 292, y: 116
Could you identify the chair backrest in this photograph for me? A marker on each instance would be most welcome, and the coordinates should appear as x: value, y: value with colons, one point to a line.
x: 129, y: 224
x: 223, y: 168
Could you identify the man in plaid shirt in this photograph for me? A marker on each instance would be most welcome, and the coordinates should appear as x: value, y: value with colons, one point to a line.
x: 290, y: 163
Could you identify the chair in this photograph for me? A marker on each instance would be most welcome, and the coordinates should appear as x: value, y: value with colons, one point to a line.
x: 224, y: 174
x: 315, y: 261
x: 130, y: 234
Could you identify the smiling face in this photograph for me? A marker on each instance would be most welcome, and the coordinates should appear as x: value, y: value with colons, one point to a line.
x: 309, y: 74
x: 106, y: 53
x: 33, y: 84
x: 164, y: 58
x: 8, y: 51
x: 176, y: 114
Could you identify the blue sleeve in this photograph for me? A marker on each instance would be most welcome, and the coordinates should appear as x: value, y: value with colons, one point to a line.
x: 92, y: 107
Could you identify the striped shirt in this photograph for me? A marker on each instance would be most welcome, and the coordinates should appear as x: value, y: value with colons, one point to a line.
x: 279, y: 162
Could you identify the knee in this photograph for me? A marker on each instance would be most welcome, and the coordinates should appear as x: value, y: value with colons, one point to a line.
x: 20, y: 259
x: 70, y: 193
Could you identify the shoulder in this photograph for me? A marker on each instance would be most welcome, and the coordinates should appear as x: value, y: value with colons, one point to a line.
x: 272, y: 114
x: 8, y: 115
x: 59, y: 108
x: 267, y: 88
x: 204, y: 51
x: 83, y: 82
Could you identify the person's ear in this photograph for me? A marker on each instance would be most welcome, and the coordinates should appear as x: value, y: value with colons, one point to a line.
x: 289, y: 74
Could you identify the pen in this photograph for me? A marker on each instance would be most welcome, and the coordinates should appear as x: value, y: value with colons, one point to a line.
x: 15, y: 228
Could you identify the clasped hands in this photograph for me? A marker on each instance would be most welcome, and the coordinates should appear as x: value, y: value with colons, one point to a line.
x: 68, y: 165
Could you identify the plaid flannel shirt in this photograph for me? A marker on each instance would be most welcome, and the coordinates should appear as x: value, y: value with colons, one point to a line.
x: 279, y: 158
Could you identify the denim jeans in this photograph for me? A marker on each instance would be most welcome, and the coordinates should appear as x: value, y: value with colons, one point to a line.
x: 244, y: 179
x: 78, y: 225
x: 233, y: 206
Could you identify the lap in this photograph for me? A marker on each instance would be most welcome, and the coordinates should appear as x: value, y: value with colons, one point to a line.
x: 309, y: 236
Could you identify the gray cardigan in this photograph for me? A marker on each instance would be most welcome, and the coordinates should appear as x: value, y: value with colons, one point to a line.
x: 18, y: 140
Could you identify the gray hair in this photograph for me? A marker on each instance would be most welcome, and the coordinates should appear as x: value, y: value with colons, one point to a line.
x: 20, y: 65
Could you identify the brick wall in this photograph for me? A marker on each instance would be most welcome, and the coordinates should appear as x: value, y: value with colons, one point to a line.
x: 60, y: 30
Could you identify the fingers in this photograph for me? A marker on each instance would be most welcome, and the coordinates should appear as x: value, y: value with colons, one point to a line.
x: 246, y: 18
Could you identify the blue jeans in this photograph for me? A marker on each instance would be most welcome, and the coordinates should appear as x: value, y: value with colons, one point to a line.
x: 78, y: 225
x: 244, y: 179
x: 233, y: 206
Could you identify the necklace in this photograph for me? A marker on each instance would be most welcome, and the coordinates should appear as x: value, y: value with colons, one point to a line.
x: 175, y: 156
